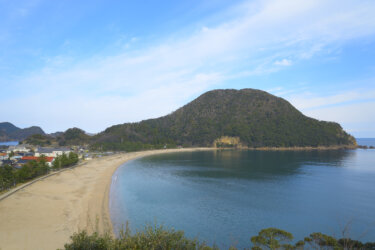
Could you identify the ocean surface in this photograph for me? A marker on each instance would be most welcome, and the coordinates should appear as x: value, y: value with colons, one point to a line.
x: 9, y: 143
x: 366, y: 141
x: 228, y: 196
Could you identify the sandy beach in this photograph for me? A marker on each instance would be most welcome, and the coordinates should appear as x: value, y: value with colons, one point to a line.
x: 45, y: 214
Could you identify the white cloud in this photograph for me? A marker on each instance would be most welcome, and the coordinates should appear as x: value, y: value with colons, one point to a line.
x: 356, y: 118
x: 310, y: 101
x: 154, y: 80
x: 283, y: 62
x: 353, y: 109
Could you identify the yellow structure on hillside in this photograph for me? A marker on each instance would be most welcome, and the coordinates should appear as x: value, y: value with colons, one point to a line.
x: 227, y: 142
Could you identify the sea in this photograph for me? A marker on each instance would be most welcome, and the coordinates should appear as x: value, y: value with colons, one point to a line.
x: 366, y: 141
x: 227, y: 196
x: 9, y: 143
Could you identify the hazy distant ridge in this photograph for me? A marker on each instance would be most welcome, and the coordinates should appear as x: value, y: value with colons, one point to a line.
x: 9, y: 132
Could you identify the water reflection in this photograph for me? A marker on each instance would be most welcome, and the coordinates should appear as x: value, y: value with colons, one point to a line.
x: 245, y: 164
x: 228, y: 195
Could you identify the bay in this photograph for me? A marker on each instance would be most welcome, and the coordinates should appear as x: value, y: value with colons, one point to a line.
x: 228, y: 196
x: 9, y: 143
x: 366, y: 141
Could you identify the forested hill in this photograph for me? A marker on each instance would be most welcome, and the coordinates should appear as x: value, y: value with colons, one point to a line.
x: 251, y: 118
x: 9, y: 132
x: 72, y: 136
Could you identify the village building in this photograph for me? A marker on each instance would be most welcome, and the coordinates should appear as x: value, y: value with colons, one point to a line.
x: 3, y: 156
x: 25, y: 159
x: 19, y: 148
x: 8, y: 162
x: 52, y: 152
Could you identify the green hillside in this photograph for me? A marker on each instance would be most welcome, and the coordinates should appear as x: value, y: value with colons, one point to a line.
x: 9, y: 132
x: 72, y: 136
x: 256, y: 118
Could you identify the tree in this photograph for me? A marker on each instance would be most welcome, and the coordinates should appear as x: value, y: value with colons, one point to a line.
x: 7, y: 177
x: 56, y: 164
x: 319, y: 241
x: 73, y: 158
x: 25, y: 173
x: 272, y: 238
x: 64, y: 160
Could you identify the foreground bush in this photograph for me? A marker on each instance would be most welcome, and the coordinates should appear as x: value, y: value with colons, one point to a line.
x: 159, y: 238
x: 152, y: 237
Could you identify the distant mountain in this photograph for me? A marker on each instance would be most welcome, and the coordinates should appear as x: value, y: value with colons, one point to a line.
x: 56, y: 134
x: 72, y: 136
x: 7, y: 128
x: 247, y: 117
x: 9, y: 132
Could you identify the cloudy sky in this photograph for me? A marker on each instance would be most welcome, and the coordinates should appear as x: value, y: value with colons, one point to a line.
x: 93, y: 64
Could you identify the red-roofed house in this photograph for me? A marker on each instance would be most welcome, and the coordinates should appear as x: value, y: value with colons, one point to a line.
x: 3, y: 156
x: 49, y: 160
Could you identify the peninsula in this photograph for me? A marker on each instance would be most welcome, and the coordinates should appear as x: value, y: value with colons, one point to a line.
x: 246, y: 118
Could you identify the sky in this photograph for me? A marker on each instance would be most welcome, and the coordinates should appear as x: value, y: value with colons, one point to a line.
x: 93, y: 64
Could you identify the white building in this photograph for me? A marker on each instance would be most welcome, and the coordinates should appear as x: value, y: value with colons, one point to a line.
x: 18, y: 148
x: 52, y: 152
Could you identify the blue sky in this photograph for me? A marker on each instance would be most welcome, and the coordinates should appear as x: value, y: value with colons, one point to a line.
x: 93, y: 64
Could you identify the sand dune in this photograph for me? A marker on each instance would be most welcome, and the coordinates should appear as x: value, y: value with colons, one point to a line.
x: 45, y: 214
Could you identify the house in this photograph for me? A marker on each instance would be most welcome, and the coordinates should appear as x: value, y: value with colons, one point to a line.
x: 44, y: 151
x: 3, y: 156
x: 52, y: 152
x: 15, y: 157
x: 18, y: 148
x: 26, y: 159
x: 21, y: 162
x: 8, y: 162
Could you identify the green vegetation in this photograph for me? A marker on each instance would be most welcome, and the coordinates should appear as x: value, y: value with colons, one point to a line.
x: 10, y: 177
x: 129, y: 146
x: 257, y: 118
x: 64, y: 161
x: 39, y: 140
x: 9, y: 132
x: 154, y: 237
x: 272, y: 238
x: 73, y: 136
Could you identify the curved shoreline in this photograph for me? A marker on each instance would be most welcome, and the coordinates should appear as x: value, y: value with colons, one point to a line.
x: 108, y: 226
x: 45, y: 213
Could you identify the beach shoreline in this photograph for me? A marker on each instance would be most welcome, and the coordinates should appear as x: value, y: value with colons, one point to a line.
x: 46, y: 213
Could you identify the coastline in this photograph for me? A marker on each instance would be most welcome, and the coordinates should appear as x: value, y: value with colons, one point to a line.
x: 338, y: 147
x: 319, y: 148
x: 45, y: 213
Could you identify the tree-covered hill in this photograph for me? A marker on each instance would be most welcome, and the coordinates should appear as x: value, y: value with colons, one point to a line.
x: 256, y: 118
x: 9, y: 132
x: 72, y: 136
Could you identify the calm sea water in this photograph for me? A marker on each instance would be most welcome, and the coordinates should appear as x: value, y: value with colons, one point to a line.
x: 9, y: 143
x: 366, y: 141
x: 228, y: 196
